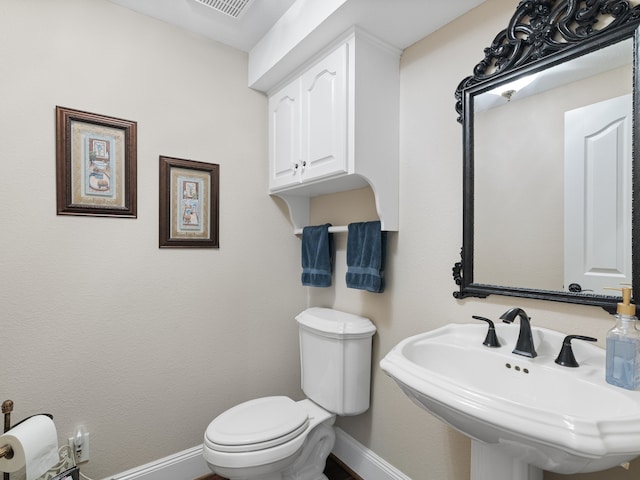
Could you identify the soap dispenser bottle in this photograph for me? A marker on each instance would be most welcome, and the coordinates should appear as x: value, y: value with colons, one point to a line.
x: 623, y: 346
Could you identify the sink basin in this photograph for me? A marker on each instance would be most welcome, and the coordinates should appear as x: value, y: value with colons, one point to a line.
x: 565, y: 420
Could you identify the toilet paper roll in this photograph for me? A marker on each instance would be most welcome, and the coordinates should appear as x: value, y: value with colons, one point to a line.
x: 35, y: 447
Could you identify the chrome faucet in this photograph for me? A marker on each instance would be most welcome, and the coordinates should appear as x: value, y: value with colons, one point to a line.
x: 524, y: 345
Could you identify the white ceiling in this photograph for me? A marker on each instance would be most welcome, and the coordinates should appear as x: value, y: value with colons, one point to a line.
x: 398, y: 22
x: 242, y: 33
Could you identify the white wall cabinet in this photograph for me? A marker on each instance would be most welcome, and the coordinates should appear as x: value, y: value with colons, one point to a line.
x: 309, y: 124
x: 333, y: 126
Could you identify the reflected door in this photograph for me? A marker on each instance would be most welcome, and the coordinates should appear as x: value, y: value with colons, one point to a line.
x: 597, y: 171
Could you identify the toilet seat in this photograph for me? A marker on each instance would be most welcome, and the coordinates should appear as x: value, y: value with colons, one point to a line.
x: 257, y: 425
x: 314, y: 414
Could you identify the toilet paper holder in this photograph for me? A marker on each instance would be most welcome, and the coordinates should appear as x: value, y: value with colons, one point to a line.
x: 5, y: 450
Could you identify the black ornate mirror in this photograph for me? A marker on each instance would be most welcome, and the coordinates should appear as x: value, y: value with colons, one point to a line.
x: 550, y: 156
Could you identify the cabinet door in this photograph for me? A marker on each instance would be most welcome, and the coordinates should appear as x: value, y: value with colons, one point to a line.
x: 284, y: 137
x: 324, y: 117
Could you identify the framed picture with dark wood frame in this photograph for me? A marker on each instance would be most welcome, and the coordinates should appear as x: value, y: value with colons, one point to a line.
x: 189, y: 203
x: 96, y: 164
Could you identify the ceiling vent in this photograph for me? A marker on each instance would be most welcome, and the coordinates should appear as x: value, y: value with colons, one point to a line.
x: 232, y: 8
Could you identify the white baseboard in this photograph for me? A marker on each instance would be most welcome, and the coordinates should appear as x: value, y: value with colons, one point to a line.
x: 190, y: 464
x: 186, y: 465
x: 363, y: 461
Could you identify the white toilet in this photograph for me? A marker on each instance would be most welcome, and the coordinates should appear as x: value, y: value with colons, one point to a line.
x: 276, y: 438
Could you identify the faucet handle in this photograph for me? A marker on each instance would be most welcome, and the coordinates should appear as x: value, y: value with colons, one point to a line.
x: 566, y: 357
x: 491, y: 340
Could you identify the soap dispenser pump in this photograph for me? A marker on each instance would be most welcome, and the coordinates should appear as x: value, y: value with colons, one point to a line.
x: 623, y: 346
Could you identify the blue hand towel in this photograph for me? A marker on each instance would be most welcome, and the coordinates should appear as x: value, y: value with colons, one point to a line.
x: 366, y: 252
x: 317, y: 246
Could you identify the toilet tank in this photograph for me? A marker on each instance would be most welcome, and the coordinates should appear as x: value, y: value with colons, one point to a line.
x: 335, y: 359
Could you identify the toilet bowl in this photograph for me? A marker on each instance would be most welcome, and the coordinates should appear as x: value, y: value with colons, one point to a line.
x: 277, y: 438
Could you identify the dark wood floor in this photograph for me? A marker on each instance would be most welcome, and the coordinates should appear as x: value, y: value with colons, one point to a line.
x: 335, y: 470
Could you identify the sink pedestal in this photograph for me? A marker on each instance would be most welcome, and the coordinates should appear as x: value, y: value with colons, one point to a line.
x: 491, y: 463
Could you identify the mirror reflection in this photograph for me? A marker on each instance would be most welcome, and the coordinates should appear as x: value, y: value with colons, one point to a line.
x: 552, y: 155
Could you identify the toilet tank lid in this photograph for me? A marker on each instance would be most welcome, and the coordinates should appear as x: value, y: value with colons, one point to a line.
x: 335, y: 323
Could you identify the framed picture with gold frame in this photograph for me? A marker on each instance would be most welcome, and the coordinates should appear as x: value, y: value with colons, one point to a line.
x: 96, y: 164
x: 189, y: 203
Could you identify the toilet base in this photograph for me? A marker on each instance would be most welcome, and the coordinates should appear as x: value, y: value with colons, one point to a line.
x: 313, y: 458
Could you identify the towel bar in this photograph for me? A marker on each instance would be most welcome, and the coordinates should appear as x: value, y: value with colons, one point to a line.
x: 334, y: 229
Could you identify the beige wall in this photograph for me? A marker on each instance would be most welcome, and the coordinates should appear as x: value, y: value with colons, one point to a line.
x: 145, y: 346
x: 98, y: 326
x: 419, y: 295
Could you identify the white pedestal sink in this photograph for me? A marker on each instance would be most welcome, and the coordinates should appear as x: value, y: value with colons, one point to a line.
x: 524, y: 415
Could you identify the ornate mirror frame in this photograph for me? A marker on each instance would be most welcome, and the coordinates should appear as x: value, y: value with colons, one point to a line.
x: 541, y: 34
